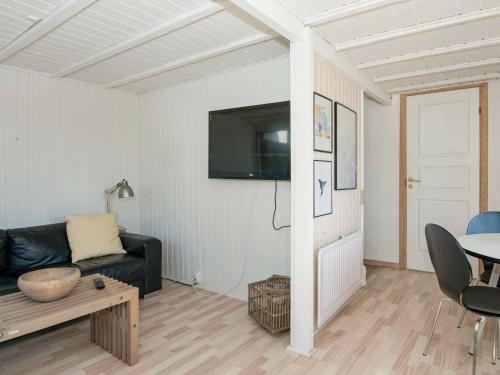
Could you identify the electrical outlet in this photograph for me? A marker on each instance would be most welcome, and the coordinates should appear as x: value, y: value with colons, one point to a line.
x: 197, y: 278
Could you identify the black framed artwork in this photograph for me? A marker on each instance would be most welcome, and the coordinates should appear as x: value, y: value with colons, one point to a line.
x: 346, y: 169
x: 322, y: 188
x: 323, y: 123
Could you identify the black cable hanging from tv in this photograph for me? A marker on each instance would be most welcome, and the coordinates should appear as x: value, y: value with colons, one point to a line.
x: 274, y: 212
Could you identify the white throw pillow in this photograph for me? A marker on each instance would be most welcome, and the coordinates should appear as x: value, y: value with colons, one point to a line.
x: 92, y: 236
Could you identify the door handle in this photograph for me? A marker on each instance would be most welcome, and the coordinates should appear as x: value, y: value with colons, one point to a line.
x: 411, y: 179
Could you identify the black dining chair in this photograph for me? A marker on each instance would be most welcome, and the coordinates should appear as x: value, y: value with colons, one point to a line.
x: 485, y: 222
x: 454, y: 276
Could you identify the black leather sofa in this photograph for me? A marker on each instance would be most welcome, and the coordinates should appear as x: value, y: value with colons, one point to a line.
x: 27, y: 249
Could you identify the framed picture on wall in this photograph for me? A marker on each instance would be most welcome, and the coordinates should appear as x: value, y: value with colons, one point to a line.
x: 323, y: 123
x: 322, y: 188
x: 346, y: 169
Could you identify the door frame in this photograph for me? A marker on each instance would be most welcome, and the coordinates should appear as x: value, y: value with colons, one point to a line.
x: 403, y: 155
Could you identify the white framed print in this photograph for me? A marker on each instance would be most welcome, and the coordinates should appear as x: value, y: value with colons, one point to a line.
x: 346, y: 169
x: 322, y: 188
x: 323, y: 123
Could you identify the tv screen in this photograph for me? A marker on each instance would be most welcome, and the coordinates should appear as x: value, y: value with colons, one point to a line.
x: 250, y: 142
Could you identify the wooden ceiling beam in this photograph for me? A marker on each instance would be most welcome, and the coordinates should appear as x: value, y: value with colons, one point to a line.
x: 440, y: 69
x: 443, y: 83
x: 373, y: 90
x: 462, y: 47
x: 142, y: 38
x: 350, y: 10
x: 274, y: 15
x: 242, y: 43
x: 55, y: 19
x: 418, y: 29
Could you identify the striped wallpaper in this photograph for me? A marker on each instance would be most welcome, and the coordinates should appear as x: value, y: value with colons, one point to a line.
x: 346, y: 216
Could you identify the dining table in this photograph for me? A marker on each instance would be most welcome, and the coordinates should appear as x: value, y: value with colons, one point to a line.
x: 484, y: 246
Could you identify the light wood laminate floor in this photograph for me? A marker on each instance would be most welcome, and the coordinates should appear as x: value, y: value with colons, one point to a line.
x: 382, y: 331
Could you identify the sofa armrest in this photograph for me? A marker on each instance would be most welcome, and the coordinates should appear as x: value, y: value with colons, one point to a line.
x: 148, y: 248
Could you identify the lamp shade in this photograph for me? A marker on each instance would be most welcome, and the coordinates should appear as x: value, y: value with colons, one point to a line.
x: 125, y: 191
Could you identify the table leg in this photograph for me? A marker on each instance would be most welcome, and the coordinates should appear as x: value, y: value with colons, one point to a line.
x: 116, y: 330
x: 133, y: 329
x: 495, y: 275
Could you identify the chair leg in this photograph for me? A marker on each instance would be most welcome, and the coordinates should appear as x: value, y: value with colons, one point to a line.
x: 474, y: 283
x: 434, y: 324
x: 494, y: 351
x: 461, y: 318
x: 476, y: 338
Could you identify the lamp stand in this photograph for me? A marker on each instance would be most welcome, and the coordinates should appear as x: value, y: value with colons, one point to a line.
x: 109, y: 193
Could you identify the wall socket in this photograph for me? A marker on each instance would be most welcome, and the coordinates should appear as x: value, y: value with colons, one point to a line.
x: 197, y: 278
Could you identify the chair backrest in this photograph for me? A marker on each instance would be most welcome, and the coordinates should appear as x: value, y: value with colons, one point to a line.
x: 452, y: 268
x: 485, y: 222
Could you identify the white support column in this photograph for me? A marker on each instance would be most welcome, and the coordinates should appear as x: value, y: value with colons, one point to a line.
x: 361, y: 178
x: 361, y: 156
x: 302, y: 229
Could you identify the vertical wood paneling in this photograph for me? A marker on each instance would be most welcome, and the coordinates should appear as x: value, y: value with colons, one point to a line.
x: 346, y: 216
x: 62, y: 144
x: 221, y: 228
x: 381, y: 182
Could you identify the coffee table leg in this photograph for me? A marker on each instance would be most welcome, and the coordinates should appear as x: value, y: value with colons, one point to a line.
x: 116, y: 330
x: 92, y: 328
x: 133, y: 329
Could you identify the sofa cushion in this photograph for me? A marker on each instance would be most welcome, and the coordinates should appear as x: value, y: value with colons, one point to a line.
x: 93, y: 236
x: 3, y: 250
x: 8, y: 284
x: 123, y: 267
x: 37, y: 246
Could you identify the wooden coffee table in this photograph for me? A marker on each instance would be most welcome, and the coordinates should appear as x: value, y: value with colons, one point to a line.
x: 114, y: 315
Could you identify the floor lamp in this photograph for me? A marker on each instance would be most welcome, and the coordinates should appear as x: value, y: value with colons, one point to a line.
x: 124, y: 191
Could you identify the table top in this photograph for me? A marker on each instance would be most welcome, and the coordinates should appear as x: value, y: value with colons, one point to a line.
x: 485, y: 246
x: 20, y: 315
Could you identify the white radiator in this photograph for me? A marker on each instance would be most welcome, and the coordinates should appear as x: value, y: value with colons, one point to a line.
x: 340, y: 274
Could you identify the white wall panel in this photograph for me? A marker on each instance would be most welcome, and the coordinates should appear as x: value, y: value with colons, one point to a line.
x: 382, y: 174
x: 346, y: 216
x: 221, y: 228
x: 62, y: 143
x: 381, y: 181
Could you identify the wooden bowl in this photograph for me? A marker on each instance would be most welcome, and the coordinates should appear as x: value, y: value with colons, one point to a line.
x: 49, y: 284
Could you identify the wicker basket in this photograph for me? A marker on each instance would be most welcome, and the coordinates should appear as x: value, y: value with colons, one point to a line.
x: 269, y: 303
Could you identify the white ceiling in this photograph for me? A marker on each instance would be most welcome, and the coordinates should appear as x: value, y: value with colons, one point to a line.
x: 13, y: 16
x: 218, y: 39
x: 465, y: 36
x: 140, y: 45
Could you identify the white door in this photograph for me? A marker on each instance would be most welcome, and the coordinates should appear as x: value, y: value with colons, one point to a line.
x: 443, y: 167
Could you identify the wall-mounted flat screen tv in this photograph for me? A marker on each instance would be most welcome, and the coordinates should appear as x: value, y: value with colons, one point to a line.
x: 250, y: 142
